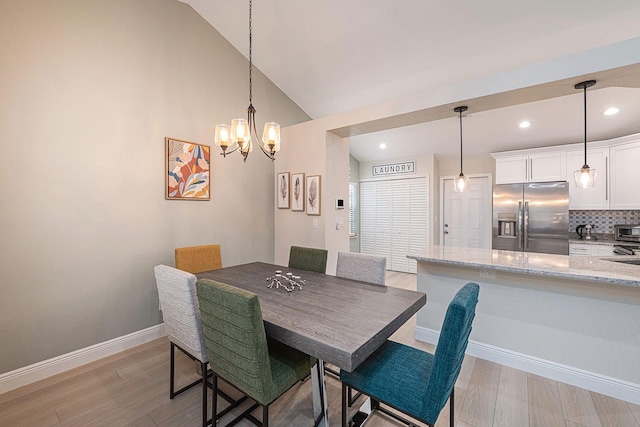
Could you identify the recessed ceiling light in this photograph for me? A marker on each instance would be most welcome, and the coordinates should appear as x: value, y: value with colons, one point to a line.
x: 524, y: 124
x: 611, y: 111
x: 383, y: 146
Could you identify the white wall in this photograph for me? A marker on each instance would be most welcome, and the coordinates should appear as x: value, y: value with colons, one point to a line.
x: 89, y: 90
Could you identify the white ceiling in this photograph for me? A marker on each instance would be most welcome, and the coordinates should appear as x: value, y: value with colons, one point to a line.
x: 333, y: 56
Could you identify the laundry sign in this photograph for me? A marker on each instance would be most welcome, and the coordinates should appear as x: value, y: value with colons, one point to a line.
x: 394, y: 168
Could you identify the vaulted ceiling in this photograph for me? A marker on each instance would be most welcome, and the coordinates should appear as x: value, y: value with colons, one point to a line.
x: 334, y: 56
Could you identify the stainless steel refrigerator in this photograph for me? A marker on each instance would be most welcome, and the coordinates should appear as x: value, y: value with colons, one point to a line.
x: 531, y: 217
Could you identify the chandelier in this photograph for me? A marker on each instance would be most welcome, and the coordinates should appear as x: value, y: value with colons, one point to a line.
x: 237, y: 137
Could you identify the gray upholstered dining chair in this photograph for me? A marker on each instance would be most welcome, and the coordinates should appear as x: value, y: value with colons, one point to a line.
x: 363, y: 267
x: 310, y: 259
x: 412, y: 381
x: 239, y: 351
x: 181, y: 316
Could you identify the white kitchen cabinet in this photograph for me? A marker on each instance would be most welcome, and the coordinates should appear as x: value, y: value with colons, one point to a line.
x: 586, y: 249
x: 535, y: 167
x: 625, y: 161
x: 596, y: 198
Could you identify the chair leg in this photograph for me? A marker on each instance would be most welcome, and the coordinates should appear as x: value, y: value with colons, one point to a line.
x: 203, y: 368
x: 265, y: 416
x: 214, y: 399
x: 172, y: 371
x: 451, y: 409
x: 344, y: 404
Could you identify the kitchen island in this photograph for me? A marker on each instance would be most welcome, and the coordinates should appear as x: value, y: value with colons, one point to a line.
x: 574, y: 319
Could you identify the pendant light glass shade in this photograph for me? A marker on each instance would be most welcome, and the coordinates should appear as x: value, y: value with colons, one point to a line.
x: 585, y: 177
x: 461, y: 183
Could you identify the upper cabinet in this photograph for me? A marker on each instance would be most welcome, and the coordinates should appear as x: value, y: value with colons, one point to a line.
x: 533, y: 167
x: 625, y: 161
x: 615, y: 160
x: 596, y: 198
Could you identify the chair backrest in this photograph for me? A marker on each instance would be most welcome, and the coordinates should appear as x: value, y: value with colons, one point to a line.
x: 180, y: 312
x: 196, y: 259
x: 310, y: 259
x: 452, y: 344
x: 363, y: 267
x: 235, y: 338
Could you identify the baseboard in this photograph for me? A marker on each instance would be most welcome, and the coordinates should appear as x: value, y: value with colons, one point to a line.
x: 602, y: 384
x: 41, y: 370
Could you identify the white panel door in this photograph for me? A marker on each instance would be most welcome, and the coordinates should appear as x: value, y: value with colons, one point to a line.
x: 467, y: 216
x: 368, y: 217
x: 596, y: 198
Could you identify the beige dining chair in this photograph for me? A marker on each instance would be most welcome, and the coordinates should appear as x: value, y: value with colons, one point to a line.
x: 196, y: 259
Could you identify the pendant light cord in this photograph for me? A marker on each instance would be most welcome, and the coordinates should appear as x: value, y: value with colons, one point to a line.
x: 585, y: 124
x: 250, y: 57
x: 460, y: 141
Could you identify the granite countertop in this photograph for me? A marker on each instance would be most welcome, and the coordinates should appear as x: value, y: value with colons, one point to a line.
x: 588, y: 268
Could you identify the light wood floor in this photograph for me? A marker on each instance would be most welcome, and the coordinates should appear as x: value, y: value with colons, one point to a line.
x: 131, y: 389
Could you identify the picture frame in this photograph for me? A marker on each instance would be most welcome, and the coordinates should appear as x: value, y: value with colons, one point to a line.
x: 282, y: 190
x: 187, y: 170
x: 297, y: 192
x: 313, y: 194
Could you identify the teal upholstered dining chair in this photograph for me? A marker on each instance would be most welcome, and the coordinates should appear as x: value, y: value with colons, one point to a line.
x: 413, y: 381
x: 310, y: 259
x: 239, y: 351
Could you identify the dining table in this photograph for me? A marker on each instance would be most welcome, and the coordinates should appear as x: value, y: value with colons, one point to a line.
x: 337, y: 320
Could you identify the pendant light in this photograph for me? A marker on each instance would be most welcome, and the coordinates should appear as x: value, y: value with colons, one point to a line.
x: 239, y: 133
x: 461, y: 183
x: 585, y: 177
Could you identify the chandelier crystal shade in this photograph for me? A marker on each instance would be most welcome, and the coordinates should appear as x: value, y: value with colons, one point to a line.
x: 585, y: 177
x: 461, y: 183
x: 238, y: 136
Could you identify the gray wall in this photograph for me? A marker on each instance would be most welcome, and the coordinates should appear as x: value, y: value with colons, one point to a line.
x: 89, y: 90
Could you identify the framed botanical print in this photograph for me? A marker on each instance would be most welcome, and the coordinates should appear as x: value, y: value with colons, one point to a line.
x: 297, y: 192
x: 282, y: 190
x: 312, y: 194
x: 187, y: 170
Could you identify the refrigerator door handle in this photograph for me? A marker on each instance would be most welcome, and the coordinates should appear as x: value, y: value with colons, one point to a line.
x: 526, y: 225
x: 519, y: 226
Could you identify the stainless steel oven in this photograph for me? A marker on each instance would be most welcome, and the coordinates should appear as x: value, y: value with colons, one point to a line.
x: 626, y: 235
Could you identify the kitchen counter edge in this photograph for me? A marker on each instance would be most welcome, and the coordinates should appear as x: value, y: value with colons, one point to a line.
x: 587, y: 268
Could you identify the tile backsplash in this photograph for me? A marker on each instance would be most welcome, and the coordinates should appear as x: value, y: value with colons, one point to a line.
x: 603, y: 220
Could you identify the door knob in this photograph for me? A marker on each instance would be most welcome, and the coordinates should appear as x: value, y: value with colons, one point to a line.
x: 446, y: 225
x: 446, y: 232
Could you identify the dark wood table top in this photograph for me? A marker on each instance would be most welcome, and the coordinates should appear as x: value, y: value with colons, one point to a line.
x: 338, y: 320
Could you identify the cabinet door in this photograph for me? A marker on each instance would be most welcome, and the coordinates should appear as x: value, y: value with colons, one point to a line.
x: 625, y: 161
x: 546, y: 167
x: 603, y: 250
x: 512, y: 170
x: 580, y: 249
x: 596, y: 198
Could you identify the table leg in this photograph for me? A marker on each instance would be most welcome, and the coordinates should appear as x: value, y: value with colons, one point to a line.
x: 319, y: 387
